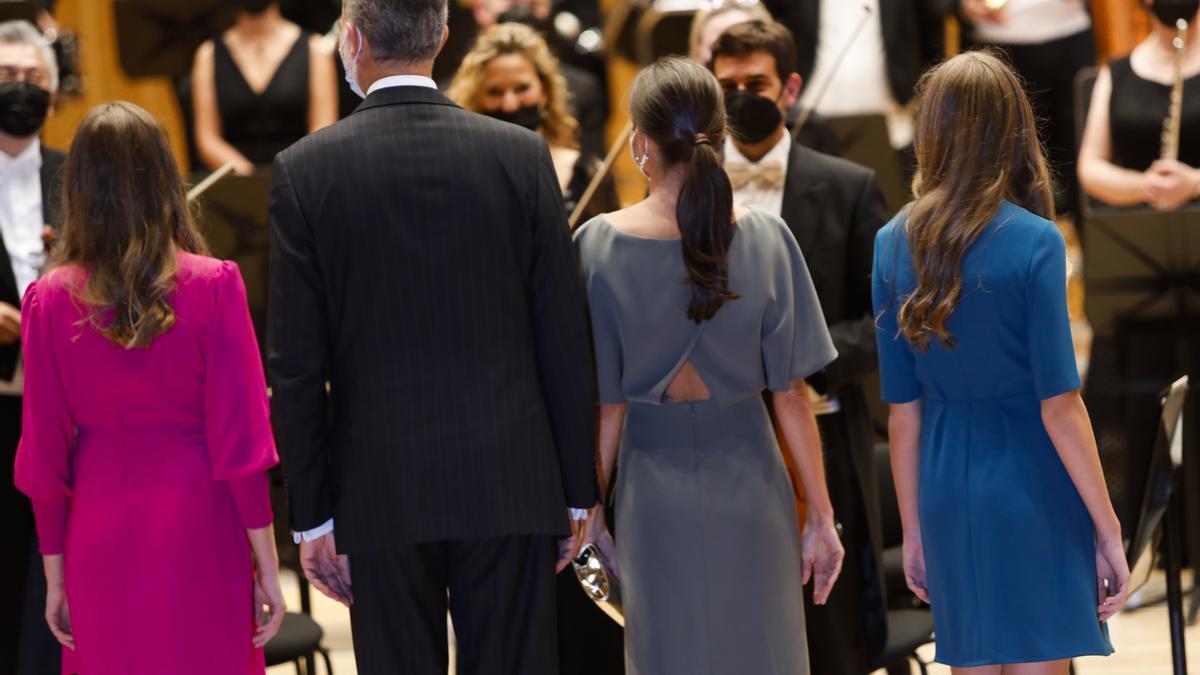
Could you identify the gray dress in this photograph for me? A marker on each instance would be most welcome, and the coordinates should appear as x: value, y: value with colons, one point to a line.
x: 707, y: 538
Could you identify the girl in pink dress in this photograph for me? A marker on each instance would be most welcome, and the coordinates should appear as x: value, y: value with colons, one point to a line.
x: 147, y: 438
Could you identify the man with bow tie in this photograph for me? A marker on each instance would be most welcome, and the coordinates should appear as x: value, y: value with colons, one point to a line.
x: 30, y: 189
x: 833, y: 207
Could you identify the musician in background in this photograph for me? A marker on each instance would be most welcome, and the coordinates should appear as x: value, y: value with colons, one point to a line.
x: 877, y: 76
x: 511, y: 75
x: 1120, y: 160
x: 30, y: 199
x: 1047, y: 42
x: 259, y: 87
x: 708, y: 25
x: 834, y: 208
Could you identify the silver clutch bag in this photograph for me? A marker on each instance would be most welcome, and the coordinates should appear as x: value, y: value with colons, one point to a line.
x: 599, y: 583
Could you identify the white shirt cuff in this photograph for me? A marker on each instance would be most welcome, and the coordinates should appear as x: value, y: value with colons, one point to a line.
x: 579, y: 514
x: 315, y: 533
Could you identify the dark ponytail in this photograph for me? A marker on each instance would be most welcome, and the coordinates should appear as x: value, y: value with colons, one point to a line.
x: 679, y: 105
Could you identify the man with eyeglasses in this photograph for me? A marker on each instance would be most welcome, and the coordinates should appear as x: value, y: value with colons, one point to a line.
x: 29, y: 214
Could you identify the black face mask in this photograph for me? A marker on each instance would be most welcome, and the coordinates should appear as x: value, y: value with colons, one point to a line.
x: 23, y: 108
x: 752, y: 118
x: 1171, y: 11
x: 530, y: 116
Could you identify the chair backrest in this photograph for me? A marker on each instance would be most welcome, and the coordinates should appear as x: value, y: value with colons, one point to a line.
x: 1165, y: 456
x: 1085, y: 83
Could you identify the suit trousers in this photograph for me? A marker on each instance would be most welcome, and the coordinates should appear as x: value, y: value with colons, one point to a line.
x: 838, y: 631
x: 501, y: 597
x: 14, y: 562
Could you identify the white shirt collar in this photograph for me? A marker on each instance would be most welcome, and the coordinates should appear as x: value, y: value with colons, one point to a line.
x: 29, y: 159
x: 401, y: 81
x: 778, y: 153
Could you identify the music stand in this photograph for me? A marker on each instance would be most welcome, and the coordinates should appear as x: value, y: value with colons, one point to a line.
x: 18, y: 10
x: 160, y: 37
x: 1142, y: 280
x: 1160, y: 506
x: 233, y: 216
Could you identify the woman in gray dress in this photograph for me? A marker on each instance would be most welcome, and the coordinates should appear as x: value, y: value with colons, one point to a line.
x: 695, y: 310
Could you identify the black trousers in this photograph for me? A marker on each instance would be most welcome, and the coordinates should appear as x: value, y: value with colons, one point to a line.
x: 1049, y: 71
x: 838, y: 631
x: 501, y: 596
x: 26, y: 645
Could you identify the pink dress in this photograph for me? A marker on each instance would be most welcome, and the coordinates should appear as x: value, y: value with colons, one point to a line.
x: 146, y: 467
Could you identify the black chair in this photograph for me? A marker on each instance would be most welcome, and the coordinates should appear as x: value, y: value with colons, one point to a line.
x: 909, y: 621
x: 1160, y: 513
x: 299, y: 638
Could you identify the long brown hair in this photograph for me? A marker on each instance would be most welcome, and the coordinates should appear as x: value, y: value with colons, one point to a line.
x: 976, y: 143
x: 125, y: 216
x: 560, y: 128
x: 679, y: 105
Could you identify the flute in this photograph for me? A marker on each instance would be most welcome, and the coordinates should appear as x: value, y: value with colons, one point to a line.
x: 1173, y: 123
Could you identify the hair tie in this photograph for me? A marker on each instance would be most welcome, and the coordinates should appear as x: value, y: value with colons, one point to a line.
x: 701, y: 139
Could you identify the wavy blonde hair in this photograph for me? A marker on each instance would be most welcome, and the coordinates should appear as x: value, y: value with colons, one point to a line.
x: 977, y: 145
x: 560, y: 127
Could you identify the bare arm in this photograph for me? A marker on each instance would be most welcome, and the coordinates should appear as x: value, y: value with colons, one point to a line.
x: 904, y: 439
x: 612, y: 422
x: 793, y: 410
x: 1098, y: 175
x: 322, y: 85
x: 1067, y: 422
x: 269, y: 605
x: 212, y: 147
x: 1070, y: 428
x: 822, y: 550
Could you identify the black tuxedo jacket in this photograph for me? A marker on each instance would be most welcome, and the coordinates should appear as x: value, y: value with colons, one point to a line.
x: 834, y: 208
x: 422, y: 266
x: 913, y: 37
x: 51, y: 179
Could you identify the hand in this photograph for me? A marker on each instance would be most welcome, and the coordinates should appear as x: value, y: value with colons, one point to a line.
x: 243, y: 167
x: 822, y: 557
x: 568, y: 548
x: 914, y: 567
x: 58, y: 616
x: 1112, y: 577
x: 977, y: 11
x: 268, y: 593
x: 1169, y: 184
x: 10, y: 324
x: 325, y: 569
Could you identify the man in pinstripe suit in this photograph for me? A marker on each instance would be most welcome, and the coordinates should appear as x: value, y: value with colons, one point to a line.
x: 422, y: 267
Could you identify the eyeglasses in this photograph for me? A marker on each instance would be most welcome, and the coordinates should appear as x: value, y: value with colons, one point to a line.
x: 34, y: 76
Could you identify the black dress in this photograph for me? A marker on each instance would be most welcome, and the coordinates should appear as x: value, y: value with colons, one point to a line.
x: 259, y: 125
x: 1136, y: 111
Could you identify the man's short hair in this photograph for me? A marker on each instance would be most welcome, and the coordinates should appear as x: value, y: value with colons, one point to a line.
x: 20, y: 32
x: 409, y: 31
x: 771, y: 37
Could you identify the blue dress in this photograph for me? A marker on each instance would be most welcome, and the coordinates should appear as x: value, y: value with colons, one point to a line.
x: 1010, y: 555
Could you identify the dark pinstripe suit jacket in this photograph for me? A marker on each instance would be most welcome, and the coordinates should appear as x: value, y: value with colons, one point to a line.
x: 421, y: 264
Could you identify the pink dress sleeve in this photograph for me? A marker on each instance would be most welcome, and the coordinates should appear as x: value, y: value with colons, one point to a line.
x: 43, y: 469
x: 240, y: 443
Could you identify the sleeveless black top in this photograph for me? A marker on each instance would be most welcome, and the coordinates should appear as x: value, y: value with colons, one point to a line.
x: 1136, y: 112
x: 259, y: 125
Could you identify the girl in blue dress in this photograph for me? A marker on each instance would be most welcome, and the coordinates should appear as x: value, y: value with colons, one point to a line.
x: 1009, y: 532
